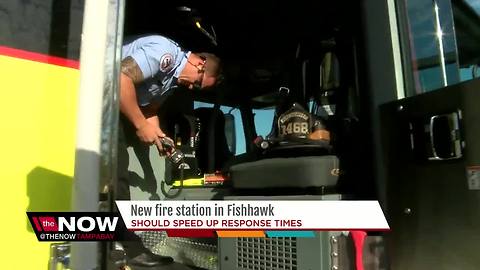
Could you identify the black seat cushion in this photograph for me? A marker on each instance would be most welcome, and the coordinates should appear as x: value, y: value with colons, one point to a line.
x: 297, y: 172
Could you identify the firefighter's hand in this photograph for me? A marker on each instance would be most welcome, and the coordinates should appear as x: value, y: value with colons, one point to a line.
x: 150, y: 133
x: 166, y: 146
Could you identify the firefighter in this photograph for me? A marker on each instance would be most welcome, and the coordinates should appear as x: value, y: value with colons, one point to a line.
x: 151, y: 66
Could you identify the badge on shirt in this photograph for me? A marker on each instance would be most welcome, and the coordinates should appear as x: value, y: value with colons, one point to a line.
x: 166, y: 62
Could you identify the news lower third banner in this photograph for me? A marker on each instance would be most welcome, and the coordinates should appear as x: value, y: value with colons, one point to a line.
x: 210, y: 219
x: 251, y: 218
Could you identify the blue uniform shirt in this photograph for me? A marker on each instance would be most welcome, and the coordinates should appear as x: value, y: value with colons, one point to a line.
x: 161, y: 60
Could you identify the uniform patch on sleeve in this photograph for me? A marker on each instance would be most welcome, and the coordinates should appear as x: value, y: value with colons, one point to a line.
x: 166, y: 62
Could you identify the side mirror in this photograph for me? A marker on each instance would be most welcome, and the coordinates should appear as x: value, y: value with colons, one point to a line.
x: 230, y: 132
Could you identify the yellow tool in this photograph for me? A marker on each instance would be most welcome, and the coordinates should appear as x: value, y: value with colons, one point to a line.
x: 191, y: 182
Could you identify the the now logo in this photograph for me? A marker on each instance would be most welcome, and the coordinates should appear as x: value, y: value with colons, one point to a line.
x: 77, y: 226
x: 87, y: 224
x: 74, y: 223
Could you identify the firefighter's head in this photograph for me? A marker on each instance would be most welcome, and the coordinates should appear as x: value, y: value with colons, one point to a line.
x: 202, y: 71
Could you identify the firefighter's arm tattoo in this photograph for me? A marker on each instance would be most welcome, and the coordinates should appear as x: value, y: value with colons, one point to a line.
x: 132, y: 70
